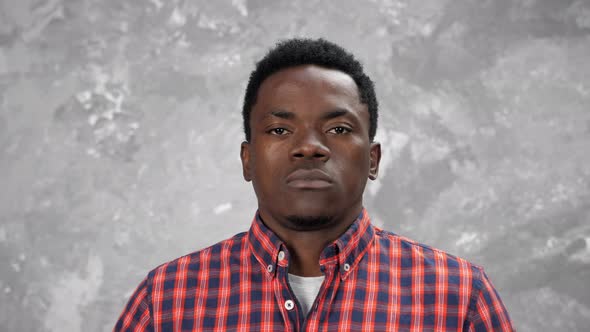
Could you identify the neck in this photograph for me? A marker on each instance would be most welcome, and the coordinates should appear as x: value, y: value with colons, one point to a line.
x: 305, y: 247
x: 305, y: 250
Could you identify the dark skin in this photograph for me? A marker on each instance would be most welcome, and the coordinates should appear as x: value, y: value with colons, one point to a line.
x: 309, y: 159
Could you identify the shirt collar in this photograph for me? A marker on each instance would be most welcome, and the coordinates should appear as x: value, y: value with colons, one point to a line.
x: 346, y: 251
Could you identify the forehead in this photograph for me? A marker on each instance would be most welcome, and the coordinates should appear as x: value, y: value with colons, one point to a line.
x: 291, y: 83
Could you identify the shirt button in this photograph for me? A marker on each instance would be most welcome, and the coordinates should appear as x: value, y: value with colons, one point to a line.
x: 346, y: 267
x: 281, y: 255
x: 289, y: 305
x: 269, y: 268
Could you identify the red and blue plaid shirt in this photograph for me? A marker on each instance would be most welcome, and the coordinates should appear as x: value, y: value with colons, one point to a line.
x: 374, y: 281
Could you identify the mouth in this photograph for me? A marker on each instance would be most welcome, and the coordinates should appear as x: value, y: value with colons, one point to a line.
x: 309, y: 179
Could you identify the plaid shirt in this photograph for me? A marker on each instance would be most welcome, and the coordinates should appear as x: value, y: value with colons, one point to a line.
x: 374, y: 281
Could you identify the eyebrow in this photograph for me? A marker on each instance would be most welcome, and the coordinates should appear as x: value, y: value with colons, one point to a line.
x: 283, y: 114
x: 335, y: 113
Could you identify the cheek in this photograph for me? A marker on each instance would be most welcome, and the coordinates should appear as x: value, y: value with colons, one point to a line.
x: 354, y: 165
x: 267, y: 162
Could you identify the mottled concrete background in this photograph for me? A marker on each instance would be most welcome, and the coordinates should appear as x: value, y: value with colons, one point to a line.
x: 120, y: 129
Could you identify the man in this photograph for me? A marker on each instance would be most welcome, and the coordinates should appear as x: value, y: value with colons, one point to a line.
x: 311, y: 260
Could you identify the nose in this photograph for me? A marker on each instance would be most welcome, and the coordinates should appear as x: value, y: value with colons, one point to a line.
x: 309, y: 145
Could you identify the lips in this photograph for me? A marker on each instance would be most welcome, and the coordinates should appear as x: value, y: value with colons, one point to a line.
x: 312, y: 179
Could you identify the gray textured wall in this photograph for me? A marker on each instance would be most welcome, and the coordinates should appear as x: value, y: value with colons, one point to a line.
x: 120, y: 132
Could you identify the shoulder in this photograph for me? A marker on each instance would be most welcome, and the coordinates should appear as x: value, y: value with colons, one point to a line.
x: 205, y: 259
x: 465, y: 285
x: 196, y: 270
x: 414, y: 253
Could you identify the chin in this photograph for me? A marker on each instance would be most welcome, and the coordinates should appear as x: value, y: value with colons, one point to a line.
x: 310, y: 206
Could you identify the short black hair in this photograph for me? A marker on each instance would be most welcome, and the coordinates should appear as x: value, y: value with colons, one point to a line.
x: 303, y: 51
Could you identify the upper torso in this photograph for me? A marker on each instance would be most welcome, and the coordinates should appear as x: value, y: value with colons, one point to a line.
x: 374, y: 281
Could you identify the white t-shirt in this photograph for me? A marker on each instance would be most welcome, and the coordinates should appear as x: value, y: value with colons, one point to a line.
x: 306, y: 289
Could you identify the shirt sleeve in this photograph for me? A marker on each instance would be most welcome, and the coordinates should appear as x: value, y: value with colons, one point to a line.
x: 136, y: 316
x: 487, y: 312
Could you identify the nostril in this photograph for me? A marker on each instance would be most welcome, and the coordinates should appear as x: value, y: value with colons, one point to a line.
x: 309, y: 147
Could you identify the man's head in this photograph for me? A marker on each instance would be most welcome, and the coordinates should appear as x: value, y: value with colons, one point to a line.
x: 320, y: 52
x: 309, y: 148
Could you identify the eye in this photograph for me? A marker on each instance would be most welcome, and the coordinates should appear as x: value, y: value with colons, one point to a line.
x: 339, y: 130
x: 278, y: 131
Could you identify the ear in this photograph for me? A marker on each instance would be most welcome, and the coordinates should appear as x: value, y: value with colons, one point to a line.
x: 375, y: 157
x: 245, y: 156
